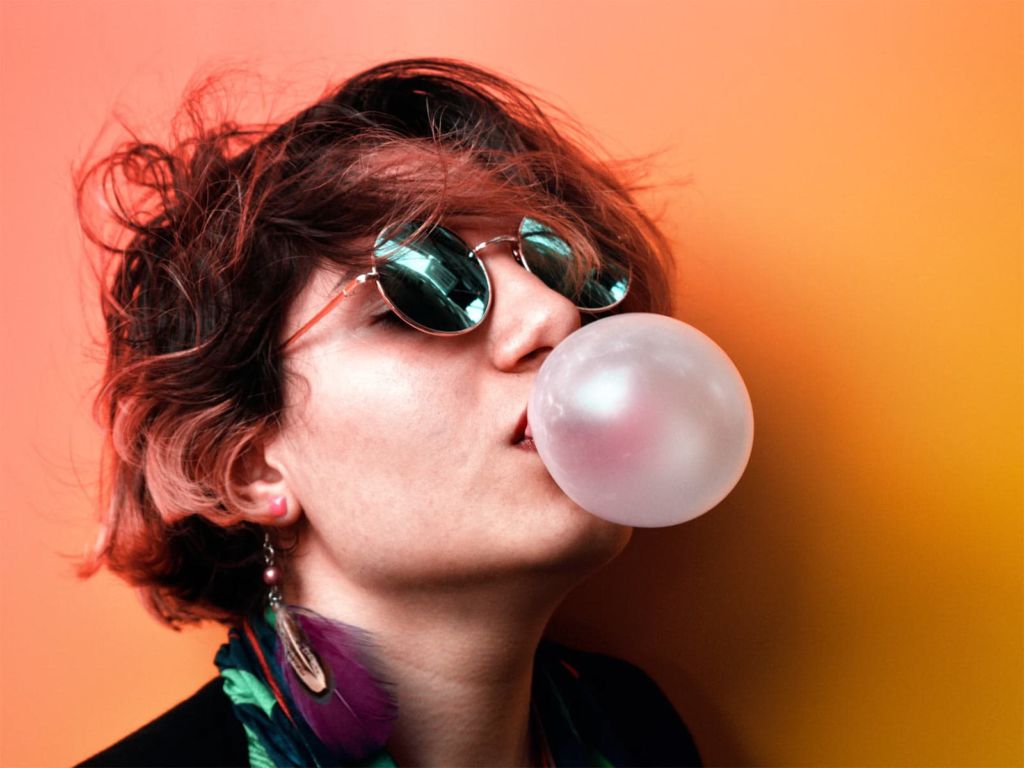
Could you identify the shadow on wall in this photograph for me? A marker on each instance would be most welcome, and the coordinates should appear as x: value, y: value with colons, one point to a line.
x: 707, y: 607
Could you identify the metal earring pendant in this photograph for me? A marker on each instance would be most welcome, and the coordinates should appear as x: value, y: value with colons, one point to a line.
x: 297, y: 651
x: 344, y: 701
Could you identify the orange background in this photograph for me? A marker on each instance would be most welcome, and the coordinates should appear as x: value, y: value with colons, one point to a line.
x: 851, y: 236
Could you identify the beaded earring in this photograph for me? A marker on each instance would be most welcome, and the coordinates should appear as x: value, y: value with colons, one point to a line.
x: 329, y: 673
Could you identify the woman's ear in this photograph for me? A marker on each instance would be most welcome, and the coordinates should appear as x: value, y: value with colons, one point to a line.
x: 260, y: 478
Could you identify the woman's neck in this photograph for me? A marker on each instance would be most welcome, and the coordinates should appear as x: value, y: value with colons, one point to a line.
x: 461, y: 661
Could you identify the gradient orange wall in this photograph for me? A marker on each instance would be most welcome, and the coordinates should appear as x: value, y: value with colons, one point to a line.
x: 851, y: 235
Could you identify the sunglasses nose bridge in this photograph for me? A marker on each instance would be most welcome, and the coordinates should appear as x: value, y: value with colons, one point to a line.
x: 514, y: 239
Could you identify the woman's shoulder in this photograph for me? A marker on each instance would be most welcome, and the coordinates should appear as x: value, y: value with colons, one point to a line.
x: 633, y: 705
x: 200, y: 731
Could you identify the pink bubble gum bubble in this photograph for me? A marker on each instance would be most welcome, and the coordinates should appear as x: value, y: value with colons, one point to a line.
x: 642, y: 420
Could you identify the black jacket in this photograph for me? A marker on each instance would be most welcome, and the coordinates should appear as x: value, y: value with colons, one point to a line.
x: 203, y: 731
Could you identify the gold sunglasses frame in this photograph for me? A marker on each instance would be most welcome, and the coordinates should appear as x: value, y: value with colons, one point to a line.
x: 472, y: 253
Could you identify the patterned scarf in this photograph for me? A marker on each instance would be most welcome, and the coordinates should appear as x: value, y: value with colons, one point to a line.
x: 572, y: 726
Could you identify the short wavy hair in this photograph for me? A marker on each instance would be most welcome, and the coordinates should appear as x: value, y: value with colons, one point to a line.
x: 217, y: 233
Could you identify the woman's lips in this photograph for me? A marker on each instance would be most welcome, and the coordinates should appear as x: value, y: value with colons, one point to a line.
x: 527, y: 445
x: 523, y: 437
x: 519, y: 433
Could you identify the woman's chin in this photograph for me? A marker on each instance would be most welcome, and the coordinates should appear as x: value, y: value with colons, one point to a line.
x: 584, y: 539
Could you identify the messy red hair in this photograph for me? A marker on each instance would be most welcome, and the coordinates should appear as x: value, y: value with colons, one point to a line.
x: 216, y: 234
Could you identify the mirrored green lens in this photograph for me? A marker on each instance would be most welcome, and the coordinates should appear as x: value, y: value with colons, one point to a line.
x: 431, y: 279
x: 551, y: 259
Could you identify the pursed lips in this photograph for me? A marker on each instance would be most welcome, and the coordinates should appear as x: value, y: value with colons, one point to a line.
x: 522, y: 434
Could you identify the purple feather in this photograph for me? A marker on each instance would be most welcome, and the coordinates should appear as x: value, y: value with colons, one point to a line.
x: 355, y: 715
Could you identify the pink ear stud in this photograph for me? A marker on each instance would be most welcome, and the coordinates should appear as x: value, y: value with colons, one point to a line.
x: 278, y: 506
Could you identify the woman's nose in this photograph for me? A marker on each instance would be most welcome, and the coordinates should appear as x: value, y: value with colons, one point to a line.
x: 527, y: 318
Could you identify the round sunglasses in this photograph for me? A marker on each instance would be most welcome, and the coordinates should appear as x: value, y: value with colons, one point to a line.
x: 437, y: 284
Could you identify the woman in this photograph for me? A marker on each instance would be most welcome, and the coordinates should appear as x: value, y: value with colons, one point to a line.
x: 283, y: 434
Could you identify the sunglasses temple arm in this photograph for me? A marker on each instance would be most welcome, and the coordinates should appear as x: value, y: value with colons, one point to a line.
x: 327, y: 308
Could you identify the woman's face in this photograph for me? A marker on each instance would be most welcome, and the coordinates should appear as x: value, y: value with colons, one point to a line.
x: 398, y: 445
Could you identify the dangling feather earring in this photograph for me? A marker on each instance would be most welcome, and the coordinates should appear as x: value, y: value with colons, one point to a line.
x: 348, y: 707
